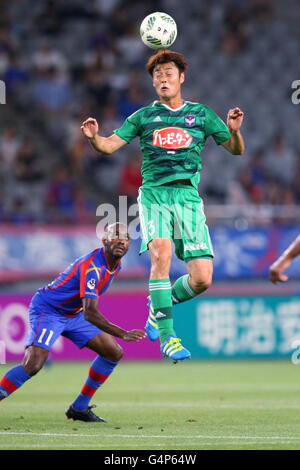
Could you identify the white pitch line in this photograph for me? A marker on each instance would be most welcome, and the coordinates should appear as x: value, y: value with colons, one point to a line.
x: 137, y: 447
x: 147, y: 436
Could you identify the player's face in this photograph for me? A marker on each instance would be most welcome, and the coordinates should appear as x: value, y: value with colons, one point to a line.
x: 167, y: 80
x: 117, y: 241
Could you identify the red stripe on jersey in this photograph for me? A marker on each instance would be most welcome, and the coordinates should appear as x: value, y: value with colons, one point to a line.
x: 8, y: 385
x: 96, y: 376
x: 69, y: 300
x: 86, y: 390
x: 83, y: 270
x: 105, y: 279
x: 68, y: 277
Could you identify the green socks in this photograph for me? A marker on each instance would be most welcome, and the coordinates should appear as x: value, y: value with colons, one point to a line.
x: 160, y: 293
x: 163, y: 296
x: 182, y: 291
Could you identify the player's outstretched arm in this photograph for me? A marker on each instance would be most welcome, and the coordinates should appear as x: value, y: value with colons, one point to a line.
x: 235, y: 144
x: 92, y: 314
x: 107, y: 145
x: 276, y: 270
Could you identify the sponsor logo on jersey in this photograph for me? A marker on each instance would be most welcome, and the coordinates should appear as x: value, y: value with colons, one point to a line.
x: 171, y: 138
x: 91, y: 284
x: 190, y: 120
x: 157, y: 119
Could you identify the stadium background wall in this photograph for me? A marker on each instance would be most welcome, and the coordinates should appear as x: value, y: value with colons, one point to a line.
x: 213, y: 327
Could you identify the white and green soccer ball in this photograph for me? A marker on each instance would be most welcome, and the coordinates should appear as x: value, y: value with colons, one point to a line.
x: 158, y: 30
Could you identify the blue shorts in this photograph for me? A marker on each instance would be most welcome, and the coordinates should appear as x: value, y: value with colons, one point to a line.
x: 46, y: 325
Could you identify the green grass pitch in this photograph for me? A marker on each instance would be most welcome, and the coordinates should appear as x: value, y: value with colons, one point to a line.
x: 159, y: 406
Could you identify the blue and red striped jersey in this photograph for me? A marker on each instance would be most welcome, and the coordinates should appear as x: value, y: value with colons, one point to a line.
x: 88, y: 276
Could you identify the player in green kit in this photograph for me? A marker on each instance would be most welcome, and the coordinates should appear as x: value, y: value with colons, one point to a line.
x: 172, y: 135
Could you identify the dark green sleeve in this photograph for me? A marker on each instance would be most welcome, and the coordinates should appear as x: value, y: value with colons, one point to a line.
x: 130, y: 128
x: 215, y: 126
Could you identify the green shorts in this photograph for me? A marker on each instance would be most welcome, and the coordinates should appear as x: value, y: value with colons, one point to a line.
x: 175, y: 212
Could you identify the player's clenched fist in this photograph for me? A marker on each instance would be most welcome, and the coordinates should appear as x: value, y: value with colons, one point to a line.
x: 134, y: 335
x: 90, y: 128
x: 235, y: 119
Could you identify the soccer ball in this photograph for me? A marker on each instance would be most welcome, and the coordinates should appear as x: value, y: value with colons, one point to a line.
x: 158, y: 30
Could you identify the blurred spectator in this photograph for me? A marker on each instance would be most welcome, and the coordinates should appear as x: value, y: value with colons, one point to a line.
x: 130, y: 46
x: 230, y: 43
x: 131, y: 178
x: 15, y: 75
x: 238, y: 191
x: 19, y: 213
x: 119, y: 21
x: 27, y: 164
x: 100, y: 57
x: 109, y: 120
x: 280, y: 161
x: 236, y: 30
x: 130, y: 101
x: 52, y: 92
x: 80, y: 155
x: 262, y: 10
x: 84, y: 207
x: 29, y: 178
x: 61, y: 197
x: 7, y: 47
x: 9, y: 147
x: 7, y: 43
x: 296, y: 182
x: 106, y: 7
x: 98, y: 85
x: 49, y: 21
x: 258, y: 169
x: 47, y: 57
x: 273, y: 193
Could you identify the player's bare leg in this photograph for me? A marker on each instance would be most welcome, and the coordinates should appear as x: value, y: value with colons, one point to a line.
x: 198, y: 280
x: 109, y: 354
x: 106, y: 346
x: 34, y: 359
x: 161, y: 299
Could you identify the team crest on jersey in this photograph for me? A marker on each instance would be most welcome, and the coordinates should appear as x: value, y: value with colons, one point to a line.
x: 171, y: 138
x: 91, y: 284
x: 190, y: 120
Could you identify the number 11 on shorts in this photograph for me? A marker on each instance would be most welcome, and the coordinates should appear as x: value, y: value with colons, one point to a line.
x: 50, y: 334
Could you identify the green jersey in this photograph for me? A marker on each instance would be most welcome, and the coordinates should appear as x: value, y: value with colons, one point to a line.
x: 172, y: 140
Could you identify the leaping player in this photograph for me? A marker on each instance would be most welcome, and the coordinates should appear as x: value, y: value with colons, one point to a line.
x: 172, y: 135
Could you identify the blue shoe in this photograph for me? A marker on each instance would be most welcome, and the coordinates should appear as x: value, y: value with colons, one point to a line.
x: 151, y: 326
x: 173, y: 349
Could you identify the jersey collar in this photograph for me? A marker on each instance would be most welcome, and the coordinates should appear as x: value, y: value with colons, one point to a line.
x: 168, y: 107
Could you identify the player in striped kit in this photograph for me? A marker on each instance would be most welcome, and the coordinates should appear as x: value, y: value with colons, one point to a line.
x: 172, y: 135
x: 69, y: 307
